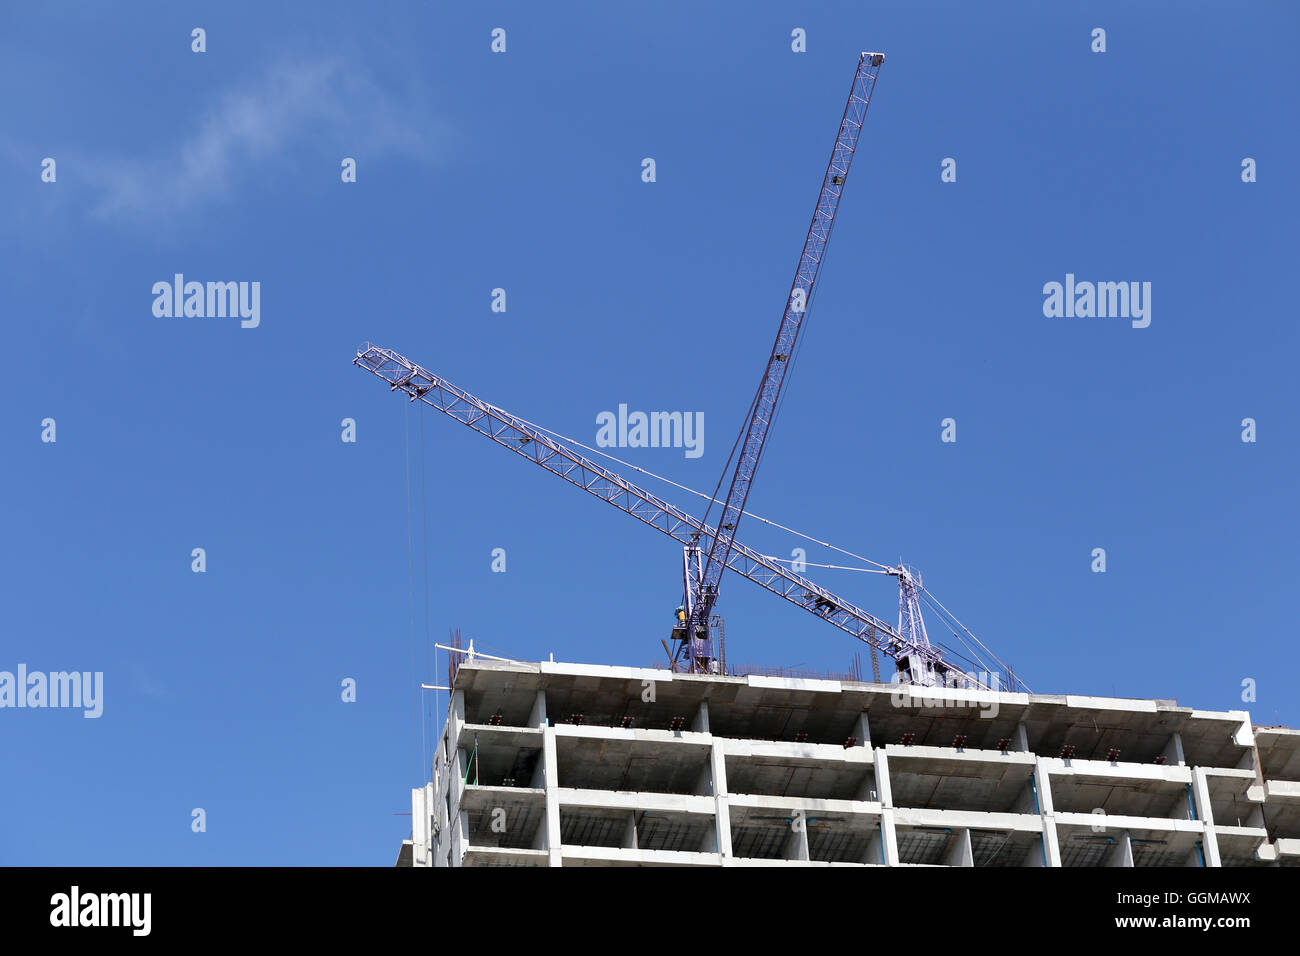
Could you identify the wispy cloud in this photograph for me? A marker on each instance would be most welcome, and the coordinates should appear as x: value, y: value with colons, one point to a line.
x: 251, y: 128
x: 144, y: 683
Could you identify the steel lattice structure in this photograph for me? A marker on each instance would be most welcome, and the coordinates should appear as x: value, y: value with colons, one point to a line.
x: 709, y: 550
x: 529, y: 442
x: 716, y: 557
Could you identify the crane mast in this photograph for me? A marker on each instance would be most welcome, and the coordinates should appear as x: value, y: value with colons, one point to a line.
x: 704, y: 567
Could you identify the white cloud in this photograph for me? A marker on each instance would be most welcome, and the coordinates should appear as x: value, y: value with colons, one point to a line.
x: 335, y: 108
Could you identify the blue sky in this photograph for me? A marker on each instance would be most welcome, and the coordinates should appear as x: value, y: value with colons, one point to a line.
x: 522, y: 171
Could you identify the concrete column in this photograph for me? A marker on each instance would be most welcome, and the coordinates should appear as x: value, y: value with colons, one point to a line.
x: 882, y: 778
x: 1121, y: 854
x: 704, y: 782
x: 875, y: 849
x: 796, y: 844
x: 1020, y: 739
x: 1173, y: 752
x: 1051, y: 848
x: 453, y: 839
x: 884, y: 845
x: 1245, y: 737
x: 455, y: 787
x: 551, y: 774
x: 1050, y: 852
x: 629, y: 836
x: 721, y: 801
x: 888, y: 838
x: 700, y: 723
x: 538, y: 716
x: 1205, y: 813
x: 431, y: 821
x: 457, y: 766
x: 869, y: 791
x: 709, y: 842
x: 456, y: 716
x: 1036, y: 796
x: 460, y: 837
x: 1043, y: 787
x: 960, y: 852
x: 442, y: 837
x: 862, y: 730
x: 1027, y: 800
x: 456, y: 783
x: 421, y: 828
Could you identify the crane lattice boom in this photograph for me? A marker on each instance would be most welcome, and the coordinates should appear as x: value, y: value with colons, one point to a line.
x: 530, y: 442
x: 796, y: 307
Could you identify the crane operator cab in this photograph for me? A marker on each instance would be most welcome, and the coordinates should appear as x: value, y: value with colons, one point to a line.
x: 679, y: 624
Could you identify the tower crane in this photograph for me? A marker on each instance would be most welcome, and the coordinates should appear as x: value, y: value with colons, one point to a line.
x: 708, y: 550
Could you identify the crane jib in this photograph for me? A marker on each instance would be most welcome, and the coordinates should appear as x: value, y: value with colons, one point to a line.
x: 556, y: 457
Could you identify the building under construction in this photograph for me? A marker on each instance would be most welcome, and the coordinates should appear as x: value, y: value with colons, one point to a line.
x: 555, y: 764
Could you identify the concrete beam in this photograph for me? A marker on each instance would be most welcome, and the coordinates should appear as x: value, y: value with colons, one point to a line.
x: 1128, y: 822
x: 594, y: 732
x: 581, y: 855
x: 830, y: 753
x: 971, y: 819
x: 495, y: 855
x: 627, y: 800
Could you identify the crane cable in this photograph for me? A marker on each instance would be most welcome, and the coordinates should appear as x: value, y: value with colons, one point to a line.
x: 700, y: 494
x: 939, y: 607
x: 426, y: 709
x: 410, y: 581
x: 877, y: 569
